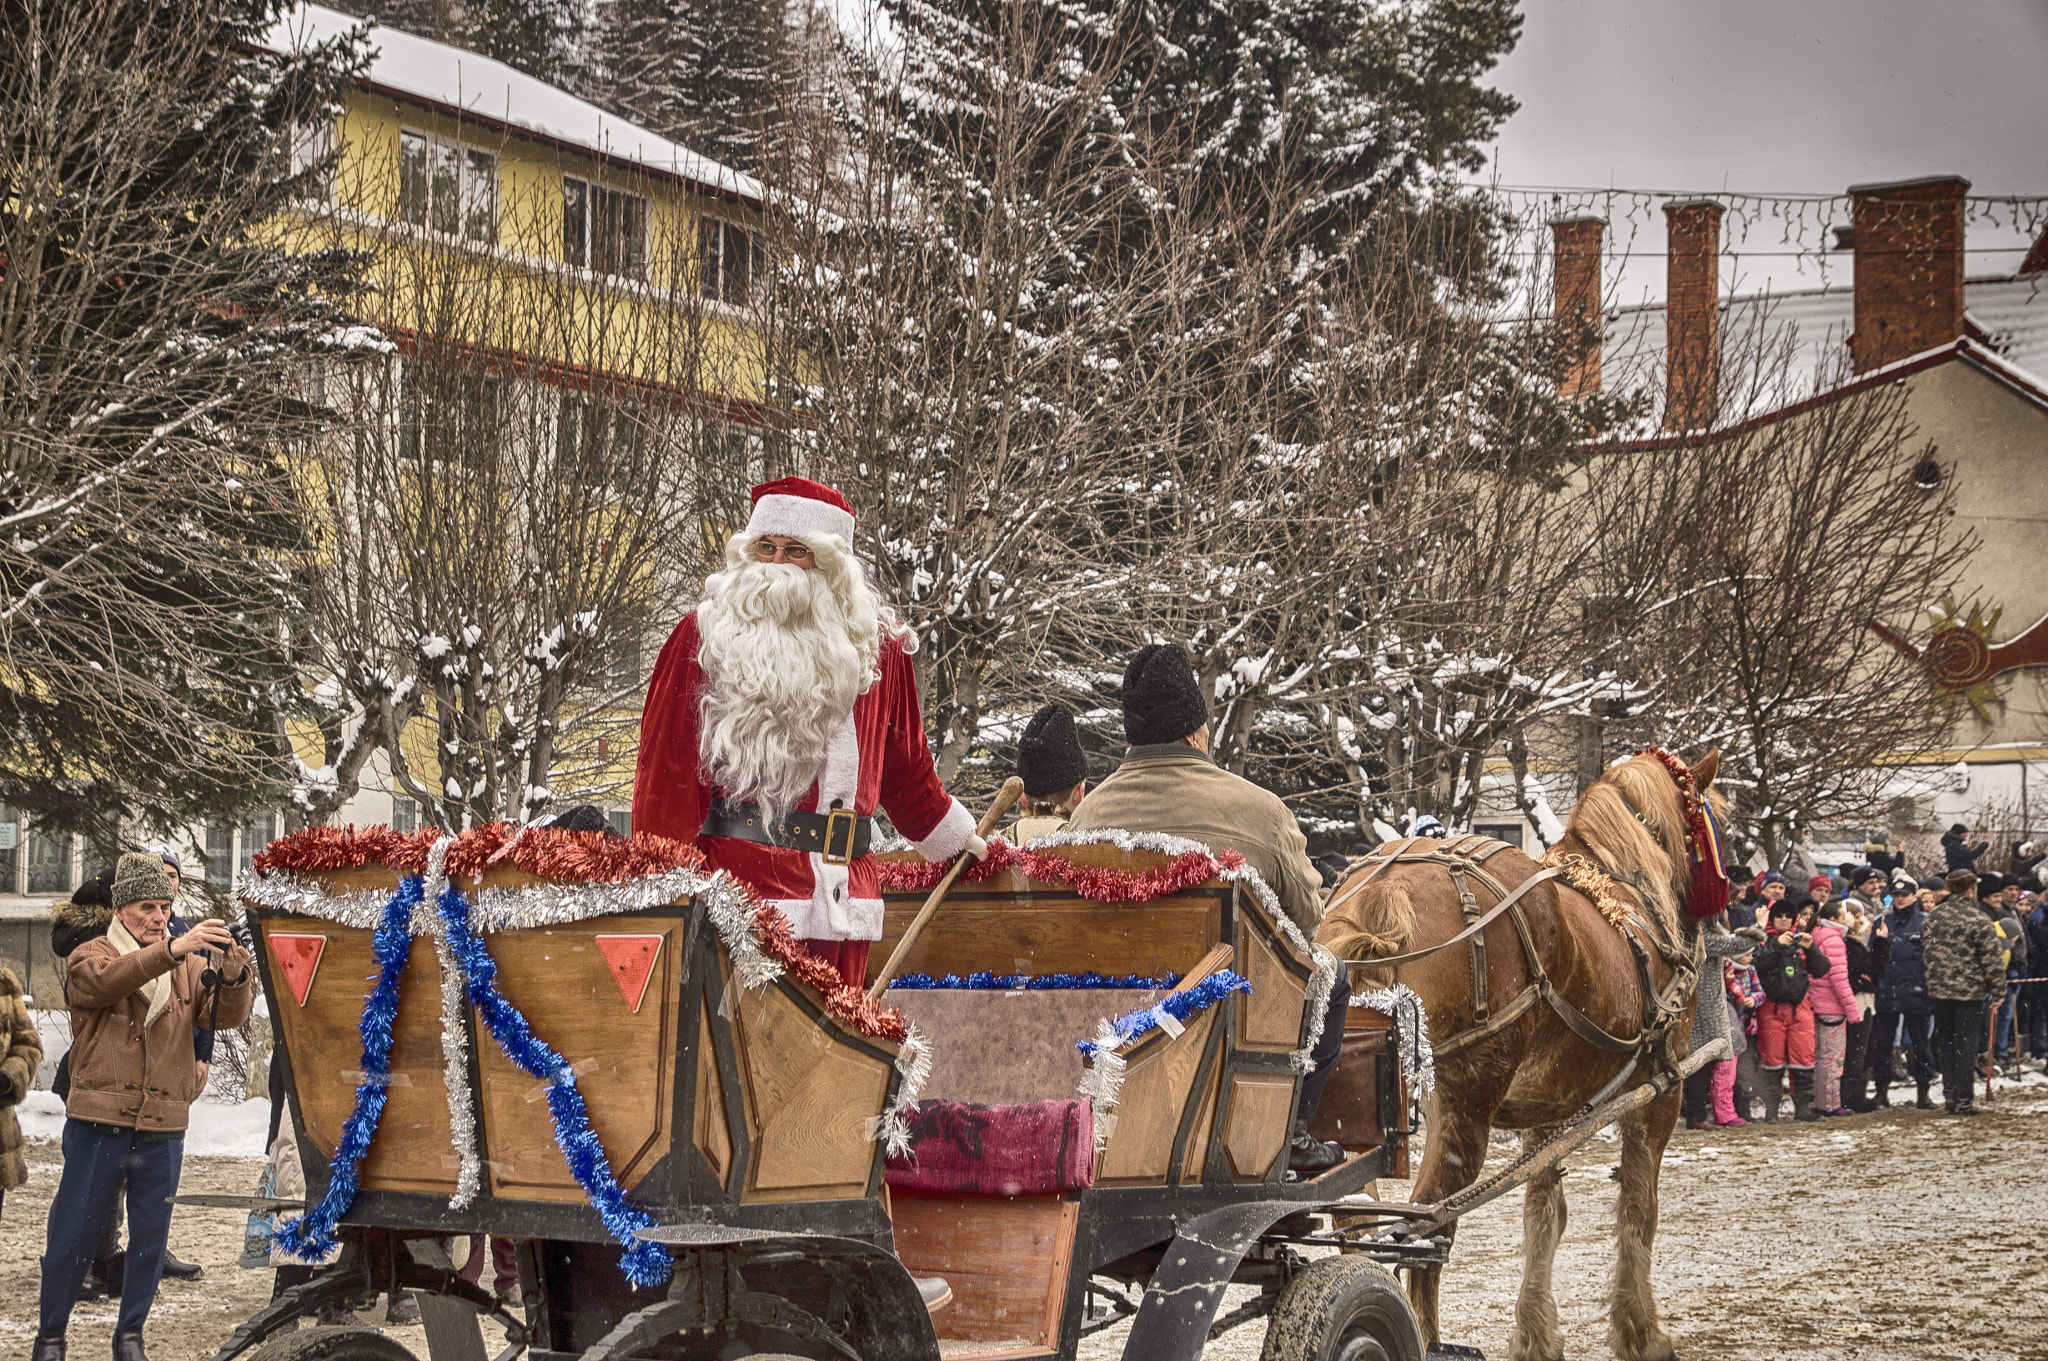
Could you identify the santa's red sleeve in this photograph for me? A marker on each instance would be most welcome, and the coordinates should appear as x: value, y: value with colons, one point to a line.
x: 936, y: 822
x: 668, y: 798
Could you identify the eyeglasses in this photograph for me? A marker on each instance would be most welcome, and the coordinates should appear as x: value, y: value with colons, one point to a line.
x: 767, y: 551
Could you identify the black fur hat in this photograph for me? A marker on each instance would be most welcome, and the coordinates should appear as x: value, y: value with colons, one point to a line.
x: 1049, y: 756
x: 1162, y: 699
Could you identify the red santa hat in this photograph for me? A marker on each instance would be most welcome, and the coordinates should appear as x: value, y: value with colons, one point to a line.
x: 801, y: 509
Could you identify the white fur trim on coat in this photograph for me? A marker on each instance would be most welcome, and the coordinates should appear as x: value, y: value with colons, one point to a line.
x: 949, y: 838
x: 800, y: 517
x: 815, y: 920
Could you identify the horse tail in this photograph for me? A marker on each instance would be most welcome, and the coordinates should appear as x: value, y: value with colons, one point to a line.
x: 1377, y: 920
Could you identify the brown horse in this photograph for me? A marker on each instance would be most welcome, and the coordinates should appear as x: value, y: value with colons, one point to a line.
x: 1538, y: 1070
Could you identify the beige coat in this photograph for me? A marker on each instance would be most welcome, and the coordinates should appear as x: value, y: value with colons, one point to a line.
x: 21, y: 1053
x: 1175, y: 789
x: 126, y: 1070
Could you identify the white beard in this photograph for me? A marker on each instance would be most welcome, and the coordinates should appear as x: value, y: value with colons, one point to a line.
x: 781, y: 673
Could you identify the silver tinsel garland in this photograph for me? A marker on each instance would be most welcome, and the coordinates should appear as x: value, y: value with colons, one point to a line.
x: 454, y: 1034
x: 1418, y: 1060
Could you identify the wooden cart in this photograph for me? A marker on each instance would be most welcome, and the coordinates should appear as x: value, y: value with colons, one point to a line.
x: 744, y: 1120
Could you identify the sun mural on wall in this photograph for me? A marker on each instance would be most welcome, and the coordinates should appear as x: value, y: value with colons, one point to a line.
x: 1961, y: 660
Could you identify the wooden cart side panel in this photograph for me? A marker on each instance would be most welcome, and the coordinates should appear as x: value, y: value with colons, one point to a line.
x: 411, y: 1151
x: 1007, y: 1261
x: 1138, y: 1149
x: 812, y: 1099
x: 1261, y: 1113
x: 1270, y: 1015
x: 1055, y: 933
x: 559, y: 979
x: 711, y: 1136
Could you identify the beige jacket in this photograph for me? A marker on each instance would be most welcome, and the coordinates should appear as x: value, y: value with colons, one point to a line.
x: 123, y: 1071
x: 1175, y: 789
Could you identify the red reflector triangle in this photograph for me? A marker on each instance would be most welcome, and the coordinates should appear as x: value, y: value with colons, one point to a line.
x: 299, y: 959
x: 631, y: 960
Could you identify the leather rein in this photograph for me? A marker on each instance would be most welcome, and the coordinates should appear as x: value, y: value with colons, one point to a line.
x: 1464, y: 858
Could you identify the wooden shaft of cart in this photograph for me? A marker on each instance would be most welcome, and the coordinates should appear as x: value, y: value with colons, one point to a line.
x: 1561, y: 1145
x: 1012, y: 790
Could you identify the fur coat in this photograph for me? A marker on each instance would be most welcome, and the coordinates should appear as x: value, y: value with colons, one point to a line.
x: 1710, y: 1018
x: 21, y: 1053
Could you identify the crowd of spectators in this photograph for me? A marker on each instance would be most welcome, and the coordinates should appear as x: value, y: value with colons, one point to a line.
x: 1836, y: 988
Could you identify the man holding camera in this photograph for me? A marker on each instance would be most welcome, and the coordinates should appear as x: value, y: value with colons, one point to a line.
x: 136, y: 994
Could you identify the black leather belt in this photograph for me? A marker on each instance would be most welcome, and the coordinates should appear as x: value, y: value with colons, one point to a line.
x: 840, y: 836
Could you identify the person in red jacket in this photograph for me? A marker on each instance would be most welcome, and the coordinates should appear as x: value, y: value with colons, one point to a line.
x: 782, y: 713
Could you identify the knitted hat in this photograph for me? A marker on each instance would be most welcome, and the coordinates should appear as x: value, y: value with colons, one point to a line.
x: 1770, y: 877
x: 800, y: 508
x: 1049, y: 756
x: 1865, y: 874
x: 1819, y: 883
x: 1162, y: 699
x: 140, y: 877
x: 1959, y: 830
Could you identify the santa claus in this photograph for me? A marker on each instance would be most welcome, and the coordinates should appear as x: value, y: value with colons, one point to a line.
x: 783, y: 711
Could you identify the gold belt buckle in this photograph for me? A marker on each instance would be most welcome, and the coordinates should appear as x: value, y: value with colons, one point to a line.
x: 832, y: 822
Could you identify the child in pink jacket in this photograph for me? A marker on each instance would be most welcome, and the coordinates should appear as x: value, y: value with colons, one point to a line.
x: 1834, y: 1011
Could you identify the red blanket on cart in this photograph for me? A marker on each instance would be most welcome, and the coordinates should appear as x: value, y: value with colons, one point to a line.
x: 1037, y: 1148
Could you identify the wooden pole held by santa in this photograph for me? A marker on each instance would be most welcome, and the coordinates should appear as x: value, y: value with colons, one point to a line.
x: 1012, y: 790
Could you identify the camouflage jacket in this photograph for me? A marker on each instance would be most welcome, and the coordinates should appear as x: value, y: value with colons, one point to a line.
x: 1964, y: 955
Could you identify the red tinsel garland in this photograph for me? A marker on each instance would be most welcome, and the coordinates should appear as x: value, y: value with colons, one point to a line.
x: 1049, y: 867
x: 578, y: 857
x: 847, y: 1002
x: 345, y: 848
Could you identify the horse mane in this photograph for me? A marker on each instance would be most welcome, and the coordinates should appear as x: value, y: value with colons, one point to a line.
x: 1604, y: 824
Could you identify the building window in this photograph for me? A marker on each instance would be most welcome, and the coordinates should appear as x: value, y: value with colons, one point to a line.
x: 448, y: 187
x: 257, y: 833
x: 622, y: 664
x: 599, y: 443
x: 453, y: 417
x: 10, y: 848
x: 731, y: 263
x: 220, y: 854
x: 621, y: 820
x: 405, y: 815
x: 49, y: 861
x: 603, y: 229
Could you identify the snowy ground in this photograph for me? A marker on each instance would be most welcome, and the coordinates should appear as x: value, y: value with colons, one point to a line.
x: 1900, y: 1234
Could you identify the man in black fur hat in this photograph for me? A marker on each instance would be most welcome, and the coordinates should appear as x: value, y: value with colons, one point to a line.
x: 1167, y: 783
x: 1054, y: 770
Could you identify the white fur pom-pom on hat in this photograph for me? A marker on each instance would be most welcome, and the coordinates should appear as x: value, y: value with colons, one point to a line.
x: 800, y: 508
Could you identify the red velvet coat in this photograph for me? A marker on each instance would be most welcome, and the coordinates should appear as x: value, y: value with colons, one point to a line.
x: 878, y: 757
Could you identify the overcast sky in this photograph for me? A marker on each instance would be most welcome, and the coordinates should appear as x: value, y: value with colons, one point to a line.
x: 1802, y: 96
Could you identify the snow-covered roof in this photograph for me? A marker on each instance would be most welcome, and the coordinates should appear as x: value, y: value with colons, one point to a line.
x: 2006, y: 315
x: 424, y: 71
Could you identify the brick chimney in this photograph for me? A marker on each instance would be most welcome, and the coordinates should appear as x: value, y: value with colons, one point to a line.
x: 1908, y: 240
x: 1692, y: 313
x: 1575, y: 292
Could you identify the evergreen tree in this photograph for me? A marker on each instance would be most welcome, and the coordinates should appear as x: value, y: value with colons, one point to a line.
x: 156, y: 338
x: 705, y: 73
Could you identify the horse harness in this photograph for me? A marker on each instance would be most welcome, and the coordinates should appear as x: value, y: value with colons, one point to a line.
x: 1464, y: 859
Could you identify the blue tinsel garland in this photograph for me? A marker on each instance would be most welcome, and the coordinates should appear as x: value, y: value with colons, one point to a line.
x: 644, y: 1263
x: 1179, y: 1005
x: 311, y: 1235
x: 995, y: 982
